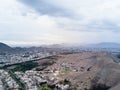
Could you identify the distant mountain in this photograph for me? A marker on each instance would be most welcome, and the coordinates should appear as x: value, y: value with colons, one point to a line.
x: 105, y: 45
x: 5, y: 48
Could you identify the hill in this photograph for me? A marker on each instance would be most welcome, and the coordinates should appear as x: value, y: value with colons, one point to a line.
x: 5, y: 48
x: 87, y: 71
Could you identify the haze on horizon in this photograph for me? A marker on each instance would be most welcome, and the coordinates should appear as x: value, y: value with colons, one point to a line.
x: 37, y: 22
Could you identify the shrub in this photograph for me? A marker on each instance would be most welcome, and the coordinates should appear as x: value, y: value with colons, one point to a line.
x: 118, y: 56
x: 45, y: 88
x: 99, y: 87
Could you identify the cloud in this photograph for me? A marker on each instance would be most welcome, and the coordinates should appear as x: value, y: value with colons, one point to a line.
x: 86, y: 15
x: 19, y: 28
x: 43, y: 7
x: 27, y: 22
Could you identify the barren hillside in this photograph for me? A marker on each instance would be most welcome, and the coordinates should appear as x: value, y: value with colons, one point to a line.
x: 87, y: 70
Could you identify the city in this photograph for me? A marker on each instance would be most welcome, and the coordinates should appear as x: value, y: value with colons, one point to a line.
x: 59, y: 44
x: 36, y: 69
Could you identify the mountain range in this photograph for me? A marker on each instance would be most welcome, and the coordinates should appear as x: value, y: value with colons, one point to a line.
x: 6, y: 48
x: 104, y: 45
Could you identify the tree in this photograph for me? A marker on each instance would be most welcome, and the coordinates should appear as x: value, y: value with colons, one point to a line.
x: 118, y: 56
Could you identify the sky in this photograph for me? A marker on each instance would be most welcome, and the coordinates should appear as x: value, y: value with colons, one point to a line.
x: 40, y: 22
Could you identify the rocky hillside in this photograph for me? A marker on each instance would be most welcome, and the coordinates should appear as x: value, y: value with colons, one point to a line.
x: 89, y: 71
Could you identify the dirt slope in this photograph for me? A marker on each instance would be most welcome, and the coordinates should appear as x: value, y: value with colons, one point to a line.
x: 88, y: 69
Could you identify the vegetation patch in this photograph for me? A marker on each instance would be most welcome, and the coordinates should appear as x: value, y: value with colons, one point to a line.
x: 65, y: 71
x: 46, y: 88
x: 118, y: 55
x: 25, y: 66
x: 99, y: 87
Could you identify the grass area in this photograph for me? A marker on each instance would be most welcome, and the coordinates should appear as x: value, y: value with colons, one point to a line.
x: 46, y: 88
x: 65, y: 71
x: 25, y: 66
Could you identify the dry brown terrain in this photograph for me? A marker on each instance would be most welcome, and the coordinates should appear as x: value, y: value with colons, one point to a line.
x: 87, y: 69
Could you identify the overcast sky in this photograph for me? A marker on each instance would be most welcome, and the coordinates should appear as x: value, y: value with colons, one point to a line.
x: 37, y: 22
